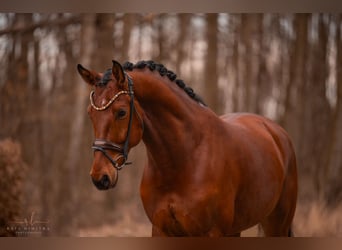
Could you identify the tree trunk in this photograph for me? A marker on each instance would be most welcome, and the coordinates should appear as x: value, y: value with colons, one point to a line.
x: 77, y: 126
x: 236, y: 76
x: 333, y: 165
x: 211, y: 72
x: 294, y: 93
x: 104, y: 42
x: 317, y: 109
x: 184, y: 22
x: 128, y: 20
x: 250, y: 42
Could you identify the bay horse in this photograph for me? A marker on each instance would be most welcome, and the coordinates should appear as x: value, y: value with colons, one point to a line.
x: 205, y: 175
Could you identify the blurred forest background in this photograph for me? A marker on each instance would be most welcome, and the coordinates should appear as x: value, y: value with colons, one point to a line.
x: 283, y: 66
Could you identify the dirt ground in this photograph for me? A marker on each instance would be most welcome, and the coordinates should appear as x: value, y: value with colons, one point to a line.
x: 311, y: 220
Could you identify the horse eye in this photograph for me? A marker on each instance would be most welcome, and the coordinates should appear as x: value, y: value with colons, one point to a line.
x: 121, y: 113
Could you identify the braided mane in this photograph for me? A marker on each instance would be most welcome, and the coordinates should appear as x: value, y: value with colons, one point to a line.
x: 163, y: 71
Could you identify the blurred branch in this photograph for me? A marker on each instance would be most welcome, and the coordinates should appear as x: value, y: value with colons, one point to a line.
x: 40, y: 24
x: 148, y: 18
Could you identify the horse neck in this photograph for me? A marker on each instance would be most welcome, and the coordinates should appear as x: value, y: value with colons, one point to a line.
x: 171, y: 119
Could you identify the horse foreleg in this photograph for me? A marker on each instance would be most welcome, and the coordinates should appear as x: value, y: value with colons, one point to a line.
x: 156, y: 232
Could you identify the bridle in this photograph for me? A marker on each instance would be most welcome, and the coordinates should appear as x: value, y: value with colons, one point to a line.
x: 104, y: 145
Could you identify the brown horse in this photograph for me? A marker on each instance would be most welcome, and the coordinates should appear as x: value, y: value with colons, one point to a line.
x: 206, y: 175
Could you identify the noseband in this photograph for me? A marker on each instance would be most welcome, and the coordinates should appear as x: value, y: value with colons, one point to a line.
x: 103, y: 145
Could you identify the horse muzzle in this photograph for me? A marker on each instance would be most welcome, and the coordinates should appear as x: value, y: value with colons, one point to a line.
x: 105, y: 181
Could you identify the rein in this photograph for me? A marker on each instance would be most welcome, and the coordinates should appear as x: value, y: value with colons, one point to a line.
x: 103, y: 145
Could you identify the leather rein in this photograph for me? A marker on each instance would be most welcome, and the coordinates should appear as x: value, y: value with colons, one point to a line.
x: 104, y: 145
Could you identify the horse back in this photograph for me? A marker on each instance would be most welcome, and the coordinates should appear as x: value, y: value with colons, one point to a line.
x: 251, y: 130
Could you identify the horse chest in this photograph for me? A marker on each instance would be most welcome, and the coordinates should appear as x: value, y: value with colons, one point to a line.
x: 176, y: 220
x: 180, y: 217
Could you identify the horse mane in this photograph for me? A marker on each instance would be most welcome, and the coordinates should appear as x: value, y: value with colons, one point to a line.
x: 163, y: 71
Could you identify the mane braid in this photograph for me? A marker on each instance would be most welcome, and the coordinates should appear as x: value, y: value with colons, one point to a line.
x: 163, y: 71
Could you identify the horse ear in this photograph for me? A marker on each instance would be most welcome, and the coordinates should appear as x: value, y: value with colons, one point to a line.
x: 87, y: 75
x: 118, y: 72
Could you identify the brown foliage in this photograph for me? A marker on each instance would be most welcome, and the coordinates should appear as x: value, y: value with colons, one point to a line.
x: 12, y: 172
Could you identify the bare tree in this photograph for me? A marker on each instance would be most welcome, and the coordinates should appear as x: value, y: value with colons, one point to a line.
x: 294, y: 101
x: 211, y: 73
x: 77, y: 126
x: 333, y: 164
x: 104, y: 42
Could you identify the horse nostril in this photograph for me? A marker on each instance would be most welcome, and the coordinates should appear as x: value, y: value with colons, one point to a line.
x: 103, y: 183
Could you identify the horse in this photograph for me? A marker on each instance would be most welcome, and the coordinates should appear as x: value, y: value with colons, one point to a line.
x: 206, y: 175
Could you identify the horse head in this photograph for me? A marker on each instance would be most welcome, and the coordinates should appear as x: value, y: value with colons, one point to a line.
x: 117, y: 122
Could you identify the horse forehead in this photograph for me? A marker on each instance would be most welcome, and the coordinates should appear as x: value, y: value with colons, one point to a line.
x: 106, y: 91
x: 101, y: 96
x: 104, y: 94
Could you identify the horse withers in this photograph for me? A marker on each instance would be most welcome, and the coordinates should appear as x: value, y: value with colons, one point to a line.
x: 205, y: 175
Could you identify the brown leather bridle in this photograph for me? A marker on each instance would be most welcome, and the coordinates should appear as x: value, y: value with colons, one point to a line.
x: 103, y: 145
